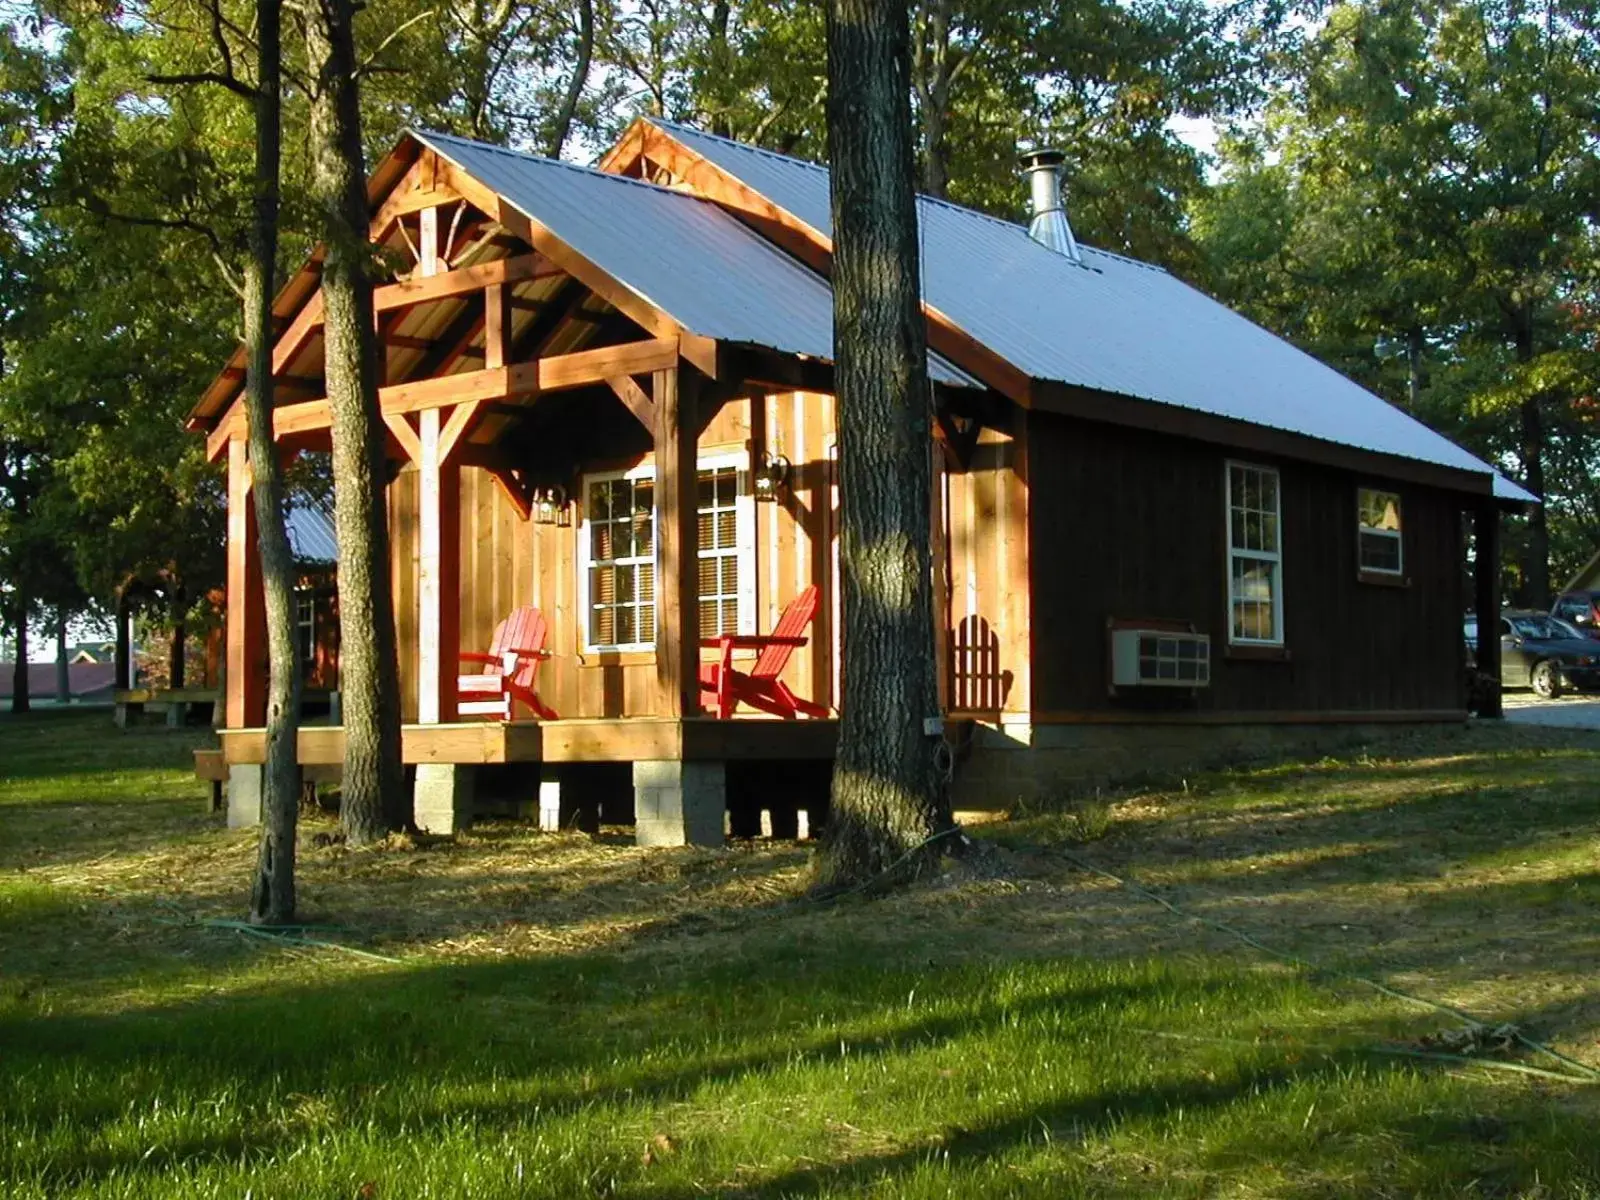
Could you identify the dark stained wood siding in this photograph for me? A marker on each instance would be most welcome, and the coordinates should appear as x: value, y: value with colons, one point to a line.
x: 1126, y: 524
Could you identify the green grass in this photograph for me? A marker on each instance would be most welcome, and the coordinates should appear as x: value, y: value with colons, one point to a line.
x: 571, y: 1018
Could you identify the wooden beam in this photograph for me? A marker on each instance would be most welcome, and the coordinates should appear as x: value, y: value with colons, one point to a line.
x: 462, y: 280
x: 246, y: 701
x: 461, y: 419
x: 388, y: 298
x: 428, y: 241
x: 958, y: 439
x: 517, y: 488
x: 404, y: 203
x: 496, y: 325
x: 400, y: 426
x: 677, y: 545
x: 560, y: 373
x: 438, y: 575
x: 634, y: 396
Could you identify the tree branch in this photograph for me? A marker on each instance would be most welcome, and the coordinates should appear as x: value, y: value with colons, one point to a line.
x: 366, y: 66
x: 237, y: 87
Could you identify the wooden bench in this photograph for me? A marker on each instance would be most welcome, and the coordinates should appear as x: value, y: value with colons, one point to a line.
x: 211, y: 766
x: 130, y: 703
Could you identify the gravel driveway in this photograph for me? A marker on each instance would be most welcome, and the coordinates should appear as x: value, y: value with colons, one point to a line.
x: 1569, y: 712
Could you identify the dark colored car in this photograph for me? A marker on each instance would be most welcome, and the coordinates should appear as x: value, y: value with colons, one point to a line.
x: 1581, y: 610
x: 1541, y: 652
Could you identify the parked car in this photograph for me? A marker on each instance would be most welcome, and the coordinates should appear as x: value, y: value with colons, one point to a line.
x: 1541, y: 652
x: 1579, y: 609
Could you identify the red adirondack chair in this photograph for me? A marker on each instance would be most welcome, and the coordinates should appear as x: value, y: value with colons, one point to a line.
x: 513, y: 661
x: 722, y: 688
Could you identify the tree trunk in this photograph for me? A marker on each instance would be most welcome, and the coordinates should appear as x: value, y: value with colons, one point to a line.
x: 63, y: 665
x: 1536, y: 545
x: 272, y: 899
x: 1416, y: 367
x: 21, y: 700
x: 177, y: 606
x: 935, y: 70
x: 368, y: 668
x: 123, y: 670
x: 888, y: 795
x: 579, y: 80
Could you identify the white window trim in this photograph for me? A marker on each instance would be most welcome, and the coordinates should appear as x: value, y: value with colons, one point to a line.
x: 307, y: 597
x: 1258, y: 555
x: 744, y: 538
x: 1363, y: 530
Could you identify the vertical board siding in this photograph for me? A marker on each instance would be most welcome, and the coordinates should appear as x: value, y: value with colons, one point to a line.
x: 404, y: 549
x: 989, y: 605
x: 507, y: 562
x: 1131, y: 525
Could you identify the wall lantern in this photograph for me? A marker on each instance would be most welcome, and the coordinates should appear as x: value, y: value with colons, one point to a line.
x: 771, y: 476
x: 550, y: 506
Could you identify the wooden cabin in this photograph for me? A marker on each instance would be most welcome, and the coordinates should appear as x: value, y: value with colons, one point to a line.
x: 1164, y: 534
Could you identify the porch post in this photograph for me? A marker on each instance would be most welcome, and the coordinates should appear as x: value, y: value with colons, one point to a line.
x: 439, y: 582
x: 678, y: 543
x: 1486, y: 581
x: 246, y: 702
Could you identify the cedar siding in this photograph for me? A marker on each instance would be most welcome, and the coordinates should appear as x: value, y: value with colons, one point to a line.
x: 1130, y: 524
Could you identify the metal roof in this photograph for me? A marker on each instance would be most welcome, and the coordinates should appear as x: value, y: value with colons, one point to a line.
x: 1114, y: 324
x: 683, y: 255
x: 311, y: 534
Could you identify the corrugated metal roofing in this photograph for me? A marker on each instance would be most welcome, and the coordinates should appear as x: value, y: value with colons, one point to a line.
x: 1114, y: 324
x: 311, y: 534
x: 683, y: 255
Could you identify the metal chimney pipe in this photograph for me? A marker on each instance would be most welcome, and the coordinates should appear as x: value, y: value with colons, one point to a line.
x: 1049, y: 226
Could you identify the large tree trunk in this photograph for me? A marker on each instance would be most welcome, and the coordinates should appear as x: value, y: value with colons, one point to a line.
x: 123, y: 670
x: 1536, y: 545
x: 272, y: 891
x: 21, y: 700
x: 63, y: 666
x: 177, y: 606
x: 368, y: 668
x: 888, y: 794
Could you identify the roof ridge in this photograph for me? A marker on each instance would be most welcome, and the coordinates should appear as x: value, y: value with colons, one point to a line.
x: 424, y: 135
x: 922, y: 197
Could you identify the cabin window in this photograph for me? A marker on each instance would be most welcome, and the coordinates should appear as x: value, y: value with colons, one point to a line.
x: 1255, y: 556
x: 305, y: 625
x: 619, y: 535
x: 1378, y: 531
x: 619, y: 544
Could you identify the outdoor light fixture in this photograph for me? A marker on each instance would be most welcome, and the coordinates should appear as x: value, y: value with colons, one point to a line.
x: 550, y: 505
x: 772, y: 476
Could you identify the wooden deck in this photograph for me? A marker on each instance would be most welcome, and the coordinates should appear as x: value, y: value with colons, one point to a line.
x: 630, y: 739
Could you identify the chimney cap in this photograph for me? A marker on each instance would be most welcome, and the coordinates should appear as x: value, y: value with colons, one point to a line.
x: 1045, y: 156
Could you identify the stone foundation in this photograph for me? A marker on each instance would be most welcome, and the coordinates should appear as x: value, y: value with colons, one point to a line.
x: 679, y: 803
x: 442, y: 798
x: 1013, y: 764
x: 245, y: 788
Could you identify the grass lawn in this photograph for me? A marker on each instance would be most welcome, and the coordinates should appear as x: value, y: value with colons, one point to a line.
x: 566, y: 1016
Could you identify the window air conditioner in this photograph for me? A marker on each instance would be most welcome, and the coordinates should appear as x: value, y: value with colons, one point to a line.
x: 1160, y: 658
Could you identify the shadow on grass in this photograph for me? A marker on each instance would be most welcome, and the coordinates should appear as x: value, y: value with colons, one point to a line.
x: 597, y: 1044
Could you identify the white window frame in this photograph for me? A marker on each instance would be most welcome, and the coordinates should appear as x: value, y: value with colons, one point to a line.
x: 744, y: 540
x: 1363, y: 530
x: 1236, y: 552
x: 305, y: 619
